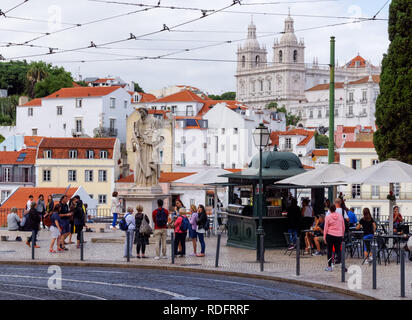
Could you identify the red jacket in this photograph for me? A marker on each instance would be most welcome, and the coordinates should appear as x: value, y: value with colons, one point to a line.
x: 178, y: 223
x: 154, y: 218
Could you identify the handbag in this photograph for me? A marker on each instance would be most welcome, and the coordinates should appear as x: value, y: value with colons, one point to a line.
x: 145, y: 227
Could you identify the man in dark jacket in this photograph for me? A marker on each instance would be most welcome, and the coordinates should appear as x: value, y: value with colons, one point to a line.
x: 78, y: 217
x: 33, y: 224
x: 294, y: 217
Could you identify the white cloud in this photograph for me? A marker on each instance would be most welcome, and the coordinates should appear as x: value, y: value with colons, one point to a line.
x: 369, y: 39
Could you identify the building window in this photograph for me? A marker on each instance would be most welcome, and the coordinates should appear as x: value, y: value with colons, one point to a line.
x: 183, y: 139
x: 243, y: 61
x: 47, y: 154
x: 375, y: 161
x: 235, y: 130
x: 46, y: 175
x: 183, y: 159
x: 319, y: 113
x: 102, y: 199
x: 351, y: 110
x: 189, y: 110
x: 295, y: 56
x: 269, y: 85
x: 288, y: 143
x: 222, y: 165
x: 336, y: 112
x: 30, y: 112
x: 73, y: 154
x: 112, y: 102
x: 280, y: 56
x: 311, y: 114
x: 4, y: 195
x: 89, y: 154
x: 7, y: 174
x: 364, y: 96
x: 223, y: 130
x: 34, y: 132
x: 356, y: 164
x: 174, y: 109
x: 59, y: 110
x: 79, y: 125
x: 375, y: 191
x: 102, y: 175
x: 79, y: 103
x: 125, y: 104
x: 103, y: 154
x: 257, y: 61
x: 88, y: 175
x: 91, y: 195
x: 235, y: 147
x: 222, y: 147
x: 376, y: 212
x: 72, y: 176
x: 356, y: 191
x: 351, y: 96
x: 397, y: 189
x: 261, y: 85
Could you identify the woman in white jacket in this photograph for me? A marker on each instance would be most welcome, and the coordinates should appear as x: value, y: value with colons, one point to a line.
x: 116, y: 208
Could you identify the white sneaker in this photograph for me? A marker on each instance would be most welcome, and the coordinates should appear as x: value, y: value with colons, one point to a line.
x: 164, y: 257
x: 156, y: 258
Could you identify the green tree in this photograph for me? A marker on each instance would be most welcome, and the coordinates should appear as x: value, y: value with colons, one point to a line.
x: 321, y: 141
x: 82, y: 83
x: 137, y: 88
x: 230, y: 95
x: 291, y: 120
x: 1, y: 138
x: 13, y: 76
x: 37, y: 72
x: 392, y: 138
x: 57, y: 78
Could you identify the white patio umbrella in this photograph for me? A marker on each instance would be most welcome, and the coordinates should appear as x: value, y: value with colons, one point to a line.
x: 385, y: 173
x: 319, y: 176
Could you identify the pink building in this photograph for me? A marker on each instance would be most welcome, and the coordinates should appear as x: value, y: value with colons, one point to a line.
x: 357, y: 133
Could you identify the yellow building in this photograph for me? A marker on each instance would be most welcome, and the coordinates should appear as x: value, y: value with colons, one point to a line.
x: 360, y: 155
x: 165, y: 149
x: 92, y: 163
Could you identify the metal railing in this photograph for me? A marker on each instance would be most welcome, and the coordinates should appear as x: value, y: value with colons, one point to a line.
x: 378, y: 196
x: 18, y: 178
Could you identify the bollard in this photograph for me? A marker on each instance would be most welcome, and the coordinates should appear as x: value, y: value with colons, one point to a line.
x: 33, y: 243
x: 374, y: 267
x: 172, y: 235
x: 402, y: 273
x: 298, y: 256
x: 262, y: 250
x: 219, y: 235
x: 81, y: 246
x: 343, y: 263
x: 128, y: 245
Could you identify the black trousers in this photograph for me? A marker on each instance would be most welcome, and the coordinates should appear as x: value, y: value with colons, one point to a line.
x: 140, y: 241
x: 180, y: 238
x: 79, y: 229
x: 334, y: 242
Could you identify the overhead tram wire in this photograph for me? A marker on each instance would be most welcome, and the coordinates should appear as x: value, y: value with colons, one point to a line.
x: 11, y: 9
x: 131, y: 37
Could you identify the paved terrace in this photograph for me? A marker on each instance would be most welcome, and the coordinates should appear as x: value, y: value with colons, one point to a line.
x: 107, y: 249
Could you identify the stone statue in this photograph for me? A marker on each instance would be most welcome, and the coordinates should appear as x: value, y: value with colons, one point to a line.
x: 145, y: 142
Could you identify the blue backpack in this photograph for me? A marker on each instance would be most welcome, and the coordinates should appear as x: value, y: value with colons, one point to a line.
x: 185, y: 224
x: 123, y: 224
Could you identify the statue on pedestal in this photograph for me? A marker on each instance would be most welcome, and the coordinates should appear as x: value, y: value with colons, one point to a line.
x: 145, y: 142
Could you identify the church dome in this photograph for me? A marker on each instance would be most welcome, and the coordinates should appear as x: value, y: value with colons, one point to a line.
x: 251, y: 41
x: 288, y: 32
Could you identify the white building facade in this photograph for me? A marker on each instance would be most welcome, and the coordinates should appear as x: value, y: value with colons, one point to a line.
x: 72, y: 112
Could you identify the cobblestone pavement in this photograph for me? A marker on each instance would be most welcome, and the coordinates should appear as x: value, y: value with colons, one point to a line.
x: 107, y: 248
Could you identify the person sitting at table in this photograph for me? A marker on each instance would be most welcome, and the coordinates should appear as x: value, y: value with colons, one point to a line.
x: 369, y: 227
x: 352, y: 217
x: 309, y: 236
x: 307, y: 214
x: 397, y: 219
x: 318, y: 235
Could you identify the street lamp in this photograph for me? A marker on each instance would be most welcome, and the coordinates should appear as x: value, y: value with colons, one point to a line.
x: 261, y: 137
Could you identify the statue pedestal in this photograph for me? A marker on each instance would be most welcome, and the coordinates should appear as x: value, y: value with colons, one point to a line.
x: 133, y: 195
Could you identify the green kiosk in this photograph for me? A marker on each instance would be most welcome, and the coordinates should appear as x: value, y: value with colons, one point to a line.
x: 242, y: 211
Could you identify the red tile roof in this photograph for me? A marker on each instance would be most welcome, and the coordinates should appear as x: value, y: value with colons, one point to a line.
x: 81, y: 92
x: 33, y: 103
x: 165, y: 177
x: 19, y: 198
x: 359, y: 144
x: 325, y: 153
x: 32, y: 141
x: 339, y: 85
x: 10, y: 157
x: 60, y: 147
x: 75, y: 84
x: 325, y: 86
x: 352, y: 63
x: 147, y: 97
x: 274, y: 136
x: 162, y: 112
x: 181, y: 96
x: 376, y: 78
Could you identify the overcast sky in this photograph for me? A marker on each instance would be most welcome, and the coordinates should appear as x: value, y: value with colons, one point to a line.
x: 369, y: 38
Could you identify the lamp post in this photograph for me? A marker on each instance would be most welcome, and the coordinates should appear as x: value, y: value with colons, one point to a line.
x: 261, y: 139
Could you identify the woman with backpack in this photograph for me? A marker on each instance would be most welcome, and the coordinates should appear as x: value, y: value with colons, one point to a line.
x: 141, y: 238
x: 182, y: 224
x: 202, y: 223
